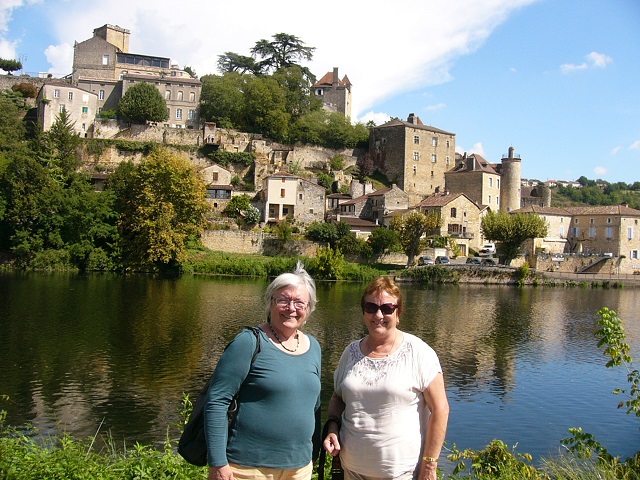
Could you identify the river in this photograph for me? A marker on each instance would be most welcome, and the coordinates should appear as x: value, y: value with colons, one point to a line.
x: 113, y: 354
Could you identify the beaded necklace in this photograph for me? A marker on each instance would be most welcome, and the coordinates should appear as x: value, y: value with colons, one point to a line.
x: 282, y: 344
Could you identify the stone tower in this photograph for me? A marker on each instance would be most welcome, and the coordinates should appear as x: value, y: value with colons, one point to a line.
x: 510, y: 186
x: 115, y: 35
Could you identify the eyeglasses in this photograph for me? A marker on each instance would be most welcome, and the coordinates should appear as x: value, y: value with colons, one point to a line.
x: 284, y: 302
x: 385, y: 308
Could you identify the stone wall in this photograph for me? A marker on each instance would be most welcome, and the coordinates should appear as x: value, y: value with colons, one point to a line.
x: 255, y: 242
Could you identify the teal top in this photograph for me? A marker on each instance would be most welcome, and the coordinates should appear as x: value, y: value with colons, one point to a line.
x: 278, y: 419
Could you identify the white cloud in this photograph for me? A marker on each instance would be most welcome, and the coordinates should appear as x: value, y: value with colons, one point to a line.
x: 599, y: 60
x: 433, y: 108
x: 416, y: 44
x: 477, y: 148
x: 594, y: 60
x: 615, y: 151
x: 601, y: 171
x: 58, y: 57
x: 377, y: 117
x: 635, y: 145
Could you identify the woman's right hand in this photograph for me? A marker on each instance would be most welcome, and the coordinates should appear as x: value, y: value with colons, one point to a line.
x: 221, y: 473
x: 332, y: 444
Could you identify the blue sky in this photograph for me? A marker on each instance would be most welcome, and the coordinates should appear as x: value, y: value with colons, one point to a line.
x: 556, y: 79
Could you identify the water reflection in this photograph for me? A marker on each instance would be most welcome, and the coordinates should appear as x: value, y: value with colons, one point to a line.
x: 520, y: 365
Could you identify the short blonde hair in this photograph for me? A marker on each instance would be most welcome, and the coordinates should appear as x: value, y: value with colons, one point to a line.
x: 383, y: 284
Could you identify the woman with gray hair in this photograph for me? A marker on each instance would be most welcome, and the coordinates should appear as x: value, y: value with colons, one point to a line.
x: 276, y: 431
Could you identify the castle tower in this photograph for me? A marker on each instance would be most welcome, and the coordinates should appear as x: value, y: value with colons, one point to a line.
x: 510, y: 182
x: 117, y: 36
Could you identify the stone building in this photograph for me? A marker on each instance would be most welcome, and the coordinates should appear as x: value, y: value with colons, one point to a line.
x: 461, y: 218
x: 103, y: 65
x: 495, y: 185
x: 607, y: 232
x: 81, y: 106
x: 413, y: 155
x: 375, y: 205
x: 334, y: 92
x: 289, y: 196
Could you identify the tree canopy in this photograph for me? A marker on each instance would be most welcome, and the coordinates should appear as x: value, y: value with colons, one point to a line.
x: 10, y: 65
x: 142, y: 103
x: 411, y: 227
x: 510, y: 230
x: 165, y: 208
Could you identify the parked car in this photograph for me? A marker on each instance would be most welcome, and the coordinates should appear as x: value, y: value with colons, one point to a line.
x: 425, y: 261
x: 443, y: 260
x: 474, y: 260
x: 488, y: 249
x: 488, y: 262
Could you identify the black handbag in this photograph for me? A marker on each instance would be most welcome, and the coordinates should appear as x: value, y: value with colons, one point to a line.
x: 336, y: 472
x: 192, y: 445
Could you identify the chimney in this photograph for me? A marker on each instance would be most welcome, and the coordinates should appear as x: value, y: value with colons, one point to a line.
x: 335, y: 77
x: 411, y: 118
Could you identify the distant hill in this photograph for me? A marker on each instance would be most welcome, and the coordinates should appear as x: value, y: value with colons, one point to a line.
x: 593, y: 195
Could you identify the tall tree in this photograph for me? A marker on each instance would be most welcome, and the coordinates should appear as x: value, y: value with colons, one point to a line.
x: 222, y: 99
x: 166, y: 209
x: 143, y: 103
x: 9, y: 65
x: 60, y: 146
x: 511, y: 230
x: 283, y: 51
x: 411, y: 227
x: 230, y: 62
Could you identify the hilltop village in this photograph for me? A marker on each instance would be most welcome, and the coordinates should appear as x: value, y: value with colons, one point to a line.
x: 420, y: 162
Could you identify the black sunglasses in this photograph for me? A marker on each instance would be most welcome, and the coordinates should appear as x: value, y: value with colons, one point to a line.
x: 385, y: 308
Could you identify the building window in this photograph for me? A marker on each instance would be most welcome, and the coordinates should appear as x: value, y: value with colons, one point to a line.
x: 70, y: 95
x: 489, y: 200
x: 454, y: 213
x: 282, y: 192
x: 85, y: 109
x: 434, y: 158
x: 62, y: 108
x: 434, y: 141
x: 168, y: 113
x: 498, y: 183
x: 609, y: 233
x: 167, y: 94
x: 415, y: 169
x: 178, y: 114
x: 447, y: 143
x: 416, y: 156
x: 192, y: 96
x: 592, y: 232
x: 105, y: 59
x: 575, y: 220
x: 214, y: 176
x: 634, y: 254
x: 447, y: 161
x: 311, y: 210
x: 608, y: 220
x: 561, y: 231
x: 84, y: 127
x: 490, y: 182
x: 630, y: 233
x: 416, y: 139
x: 300, y: 196
x: 56, y: 94
x: 101, y: 95
x: 99, y: 110
x: 180, y: 95
x: 497, y: 200
x: 191, y: 115
x: 591, y: 221
x: 575, y: 231
x: 432, y: 174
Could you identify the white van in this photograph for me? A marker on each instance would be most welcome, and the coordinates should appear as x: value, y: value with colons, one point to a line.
x: 488, y: 249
